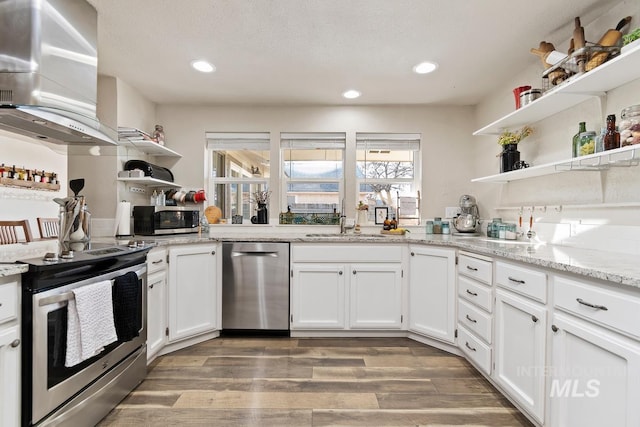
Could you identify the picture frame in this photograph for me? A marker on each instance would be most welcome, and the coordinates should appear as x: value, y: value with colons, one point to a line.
x: 382, y: 213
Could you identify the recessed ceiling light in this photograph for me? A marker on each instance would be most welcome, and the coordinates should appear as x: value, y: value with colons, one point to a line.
x: 203, y: 66
x: 351, y: 94
x: 425, y: 67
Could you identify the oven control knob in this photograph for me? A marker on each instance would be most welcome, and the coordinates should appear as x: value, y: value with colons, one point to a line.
x: 15, y: 343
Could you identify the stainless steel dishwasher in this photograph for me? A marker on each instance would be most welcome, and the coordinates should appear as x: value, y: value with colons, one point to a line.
x: 255, y: 287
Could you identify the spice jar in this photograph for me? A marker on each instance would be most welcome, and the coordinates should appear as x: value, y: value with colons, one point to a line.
x: 429, y: 227
x: 445, y: 227
x: 437, y: 225
x: 587, y: 143
x: 629, y: 126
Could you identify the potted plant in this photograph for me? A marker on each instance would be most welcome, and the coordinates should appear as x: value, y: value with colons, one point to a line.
x: 509, y: 141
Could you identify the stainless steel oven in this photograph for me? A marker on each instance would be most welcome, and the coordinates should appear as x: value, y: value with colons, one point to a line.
x: 82, y: 394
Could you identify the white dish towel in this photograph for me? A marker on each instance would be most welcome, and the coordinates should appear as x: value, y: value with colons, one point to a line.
x: 90, y: 324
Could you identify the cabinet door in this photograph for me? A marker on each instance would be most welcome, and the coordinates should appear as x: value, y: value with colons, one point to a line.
x: 10, y: 376
x: 375, y: 296
x: 520, y: 350
x: 432, y: 292
x: 156, y: 312
x: 193, y: 290
x: 318, y: 296
x: 596, y: 376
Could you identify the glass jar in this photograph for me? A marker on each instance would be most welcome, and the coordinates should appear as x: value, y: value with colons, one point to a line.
x: 629, y: 125
x: 445, y: 227
x: 492, y: 227
x: 437, y: 225
x: 587, y: 143
x: 429, y: 227
x: 502, y: 231
x: 510, y: 232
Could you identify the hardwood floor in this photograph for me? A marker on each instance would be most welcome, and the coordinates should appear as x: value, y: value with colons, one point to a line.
x: 313, y: 382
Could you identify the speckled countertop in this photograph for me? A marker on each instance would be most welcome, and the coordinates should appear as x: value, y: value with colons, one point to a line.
x: 617, y: 268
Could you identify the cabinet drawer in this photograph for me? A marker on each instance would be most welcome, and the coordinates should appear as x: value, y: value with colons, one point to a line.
x: 600, y: 305
x: 473, y: 267
x: 156, y: 260
x: 8, y: 301
x: 477, y: 351
x: 475, y: 292
x: 475, y: 319
x: 346, y: 253
x: 525, y: 281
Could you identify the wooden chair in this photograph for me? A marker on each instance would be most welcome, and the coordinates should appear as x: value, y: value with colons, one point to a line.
x: 49, y: 227
x: 9, y: 232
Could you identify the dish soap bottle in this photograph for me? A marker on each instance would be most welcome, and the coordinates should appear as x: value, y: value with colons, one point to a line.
x: 582, y: 127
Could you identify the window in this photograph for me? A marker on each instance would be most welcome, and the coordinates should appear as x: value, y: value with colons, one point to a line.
x: 387, y: 168
x: 312, y: 171
x: 238, y: 167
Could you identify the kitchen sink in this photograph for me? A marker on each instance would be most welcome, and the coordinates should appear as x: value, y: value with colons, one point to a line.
x: 333, y: 235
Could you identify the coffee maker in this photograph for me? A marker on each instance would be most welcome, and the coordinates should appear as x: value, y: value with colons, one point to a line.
x: 469, y: 217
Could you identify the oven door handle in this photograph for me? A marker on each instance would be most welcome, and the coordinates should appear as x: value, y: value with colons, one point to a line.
x: 54, y: 299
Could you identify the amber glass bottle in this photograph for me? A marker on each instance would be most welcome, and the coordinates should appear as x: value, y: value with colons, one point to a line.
x: 611, y: 136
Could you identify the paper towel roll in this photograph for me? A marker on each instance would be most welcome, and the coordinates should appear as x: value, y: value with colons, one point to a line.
x: 123, y: 219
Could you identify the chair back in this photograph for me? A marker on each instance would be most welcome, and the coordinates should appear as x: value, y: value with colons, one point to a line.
x: 9, y: 232
x: 49, y: 227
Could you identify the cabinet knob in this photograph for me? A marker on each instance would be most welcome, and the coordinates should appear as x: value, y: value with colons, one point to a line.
x: 354, y: 272
x: 340, y: 272
x: 151, y: 286
x: 15, y: 343
x: 534, y: 318
x: 413, y: 254
x: 213, y: 252
x: 554, y: 328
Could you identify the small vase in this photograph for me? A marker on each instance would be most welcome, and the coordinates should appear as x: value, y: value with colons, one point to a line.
x: 509, y: 157
x: 262, y: 214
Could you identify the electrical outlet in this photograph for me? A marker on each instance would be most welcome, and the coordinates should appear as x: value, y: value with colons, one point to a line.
x: 137, y: 190
x: 450, y: 212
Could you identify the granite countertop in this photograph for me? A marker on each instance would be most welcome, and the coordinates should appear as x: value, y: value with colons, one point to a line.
x: 617, y: 268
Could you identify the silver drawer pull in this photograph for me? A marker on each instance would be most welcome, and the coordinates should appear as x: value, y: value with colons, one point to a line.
x: 471, y: 268
x: 516, y: 280
x: 470, y: 319
x: 468, y: 346
x: 15, y: 343
x: 472, y: 293
x: 588, y: 304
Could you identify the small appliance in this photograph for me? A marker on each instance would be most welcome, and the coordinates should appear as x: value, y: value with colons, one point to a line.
x: 468, y: 218
x: 163, y: 220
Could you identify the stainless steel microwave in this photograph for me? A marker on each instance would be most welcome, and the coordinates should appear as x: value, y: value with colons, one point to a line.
x: 162, y: 220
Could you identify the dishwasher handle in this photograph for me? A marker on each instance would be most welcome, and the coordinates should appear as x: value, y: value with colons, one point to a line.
x: 272, y: 254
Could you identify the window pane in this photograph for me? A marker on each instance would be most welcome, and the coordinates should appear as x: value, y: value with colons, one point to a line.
x: 382, y: 194
x: 323, y: 164
x: 316, y: 197
x: 240, y: 164
x: 385, y: 164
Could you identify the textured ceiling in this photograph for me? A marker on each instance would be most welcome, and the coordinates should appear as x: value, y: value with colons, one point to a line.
x: 307, y: 52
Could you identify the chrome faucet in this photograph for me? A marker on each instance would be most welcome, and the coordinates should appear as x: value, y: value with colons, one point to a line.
x: 343, y: 220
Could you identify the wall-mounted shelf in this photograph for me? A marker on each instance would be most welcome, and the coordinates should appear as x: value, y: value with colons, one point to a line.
x: 621, y: 157
x: 610, y: 75
x: 150, y: 182
x: 149, y: 147
x: 9, y: 182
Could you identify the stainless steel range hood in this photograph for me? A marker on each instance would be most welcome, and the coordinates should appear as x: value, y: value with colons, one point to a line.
x: 49, y: 71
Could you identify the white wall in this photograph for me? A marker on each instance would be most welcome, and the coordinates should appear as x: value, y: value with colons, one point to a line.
x: 590, y: 200
x: 18, y: 203
x: 446, y: 140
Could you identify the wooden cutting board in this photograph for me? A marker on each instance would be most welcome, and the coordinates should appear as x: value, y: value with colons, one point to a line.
x: 213, y: 214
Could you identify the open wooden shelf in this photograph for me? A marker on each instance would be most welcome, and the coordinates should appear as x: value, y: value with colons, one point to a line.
x: 9, y: 182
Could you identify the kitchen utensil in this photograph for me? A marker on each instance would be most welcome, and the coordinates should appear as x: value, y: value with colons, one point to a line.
x: 610, y: 38
x: 76, y: 185
x: 543, y: 51
x: 531, y: 234
x: 213, y: 214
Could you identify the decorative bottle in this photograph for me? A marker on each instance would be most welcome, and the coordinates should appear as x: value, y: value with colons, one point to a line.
x: 612, y: 137
x: 582, y: 127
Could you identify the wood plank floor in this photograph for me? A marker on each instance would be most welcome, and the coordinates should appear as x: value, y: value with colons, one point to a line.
x: 313, y: 382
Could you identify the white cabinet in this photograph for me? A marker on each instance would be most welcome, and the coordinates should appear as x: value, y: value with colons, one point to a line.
x: 595, y: 376
x: 432, y: 291
x: 475, y: 309
x: 194, y: 293
x: 520, y: 350
x: 375, y: 300
x: 595, y: 355
x: 318, y: 296
x: 346, y: 287
x: 157, y: 322
x: 10, y: 346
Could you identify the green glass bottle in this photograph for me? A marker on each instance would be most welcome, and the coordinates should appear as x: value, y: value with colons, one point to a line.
x: 582, y: 127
